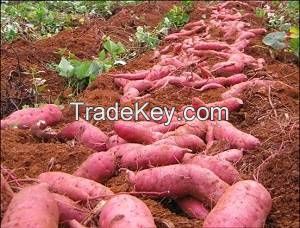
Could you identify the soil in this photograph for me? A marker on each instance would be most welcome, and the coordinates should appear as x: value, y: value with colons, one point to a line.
x: 272, y: 116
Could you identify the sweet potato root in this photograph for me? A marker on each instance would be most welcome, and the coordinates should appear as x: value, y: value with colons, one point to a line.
x: 192, y: 207
x: 114, y: 140
x: 68, y: 209
x: 189, y: 141
x: 245, y: 204
x: 223, y: 130
x: 33, y: 206
x: 125, y: 211
x: 133, y: 132
x: 27, y: 117
x: 143, y: 157
x: 180, y: 180
x: 76, y: 188
x: 233, y: 155
x: 85, y: 133
x: 98, y: 167
x: 223, y: 169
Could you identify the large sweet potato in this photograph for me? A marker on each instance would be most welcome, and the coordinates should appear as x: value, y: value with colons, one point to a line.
x: 125, y: 211
x: 33, y: 206
x: 245, y: 204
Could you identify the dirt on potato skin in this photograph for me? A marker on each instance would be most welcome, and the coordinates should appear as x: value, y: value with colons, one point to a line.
x: 279, y: 134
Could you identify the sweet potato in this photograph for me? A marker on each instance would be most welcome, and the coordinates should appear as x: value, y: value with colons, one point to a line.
x: 232, y: 104
x: 238, y: 89
x: 27, y: 117
x: 133, y: 76
x: 159, y: 72
x: 193, y: 24
x: 98, y: 167
x: 179, y: 180
x: 189, y: 141
x: 68, y: 209
x: 192, y: 207
x: 133, y: 132
x: 125, y: 211
x: 140, y: 85
x: 223, y: 169
x: 245, y: 204
x: 121, y: 82
x: 114, y: 141
x: 74, y: 224
x: 211, y: 86
x: 76, y: 188
x: 33, y: 206
x: 233, y: 155
x: 223, y: 130
x: 85, y: 133
x: 212, y: 45
x: 162, y: 128
x: 143, y: 157
x: 194, y: 127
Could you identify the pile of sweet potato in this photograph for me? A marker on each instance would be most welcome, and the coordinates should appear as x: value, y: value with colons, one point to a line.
x: 160, y: 161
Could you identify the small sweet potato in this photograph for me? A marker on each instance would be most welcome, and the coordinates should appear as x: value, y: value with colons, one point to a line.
x: 33, y: 206
x: 76, y: 188
x: 212, y: 85
x: 140, y: 85
x: 133, y: 132
x: 27, y: 117
x: 192, y: 207
x: 68, y: 209
x: 189, y: 141
x: 233, y: 155
x: 125, y: 211
x: 223, y: 130
x: 98, y: 167
x: 195, y: 127
x: 179, y: 180
x: 223, y: 169
x: 245, y: 204
x: 143, y: 157
x: 85, y: 133
x: 212, y: 45
x: 133, y: 76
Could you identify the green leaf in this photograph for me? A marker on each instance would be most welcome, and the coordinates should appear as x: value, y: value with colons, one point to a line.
x: 65, y: 68
x: 102, y: 55
x: 275, y: 40
x: 81, y: 71
x: 294, y: 32
x: 294, y: 46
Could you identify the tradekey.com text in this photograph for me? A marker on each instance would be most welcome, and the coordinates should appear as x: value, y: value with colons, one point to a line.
x: 138, y: 112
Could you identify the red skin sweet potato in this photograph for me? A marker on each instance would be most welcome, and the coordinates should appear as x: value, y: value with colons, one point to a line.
x: 194, y: 127
x: 193, y: 24
x: 233, y: 155
x: 245, y: 204
x: 192, y: 207
x: 85, y: 133
x: 27, y: 117
x: 74, y: 224
x: 189, y: 141
x: 223, y: 130
x: 68, y: 209
x: 238, y: 89
x: 213, y: 45
x: 140, y: 85
x: 98, y: 167
x: 114, y: 141
x: 162, y: 128
x: 133, y: 76
x: 223, y: 169
x: 212, y: 85
x: 232, y: 104
x: 125, y: 211
x: 180, y: 180
x: 159, y: 72
x: 133, y: 132
x: 121, y: 82
x: 143, y: 157
x: 76, y: 188
x: 33, y: 206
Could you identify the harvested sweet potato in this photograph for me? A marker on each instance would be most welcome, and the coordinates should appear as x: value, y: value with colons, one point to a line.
x: 233, y: 155
x: 33, y: 206
x: 27, y: 117
x: 192, y: 207
x: 125, y: 211
x: 114, y: 140
x: 76, y: 188
x: 177, y: 181
x: 245, y: 204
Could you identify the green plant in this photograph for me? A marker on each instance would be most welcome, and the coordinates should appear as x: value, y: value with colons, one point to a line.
x: 80, y: 73
x: 178, y: 16
x: 147, y: 38
x: 259, y: 12
x: 294, y: 40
